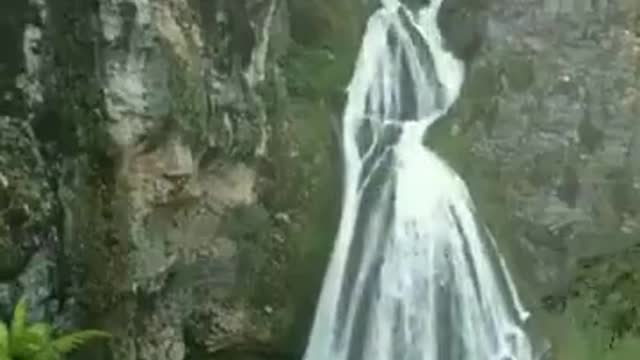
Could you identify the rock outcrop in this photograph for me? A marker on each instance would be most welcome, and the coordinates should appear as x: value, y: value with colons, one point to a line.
x: 159, y: 175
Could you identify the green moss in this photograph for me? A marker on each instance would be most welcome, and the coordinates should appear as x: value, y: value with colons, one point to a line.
x: 73, y: 132
x: 333, y: 23
x: 519, y: 73
x: 246, y: 222
x: 315, y: 183
x: 599, y: 318
x: 262, y: 257
x: 94, y: 237
x: 479, y: 98
x: 300, y: 154
x: 326, y: 38
x: 574, y: 339
x: 568, y: 190
x: 609, y: 285
x: 189, y: 107
x: 302, y: 171
x: 27, y: 203
x: 591, y: 137
x: 624, y: 197
x: 304, y: 186
x: 483, y: 84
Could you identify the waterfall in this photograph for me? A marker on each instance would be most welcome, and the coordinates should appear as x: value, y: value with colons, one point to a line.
x: 413, y: 274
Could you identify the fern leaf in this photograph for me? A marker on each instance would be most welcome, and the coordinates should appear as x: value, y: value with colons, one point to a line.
x: 37, y: 343
x: 22, y: 343
x: 47, y: 353
x: 71, y: 342
x: 4, y: 341
x: 31, y: 341
x: 19, y: 321
x: 26, y: 345
x: 41, y: 331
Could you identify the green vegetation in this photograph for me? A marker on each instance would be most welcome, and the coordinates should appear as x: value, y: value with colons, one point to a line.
x: 188, y: 105
x: 314, y: 73
x: 608, y: 288
x: 326, y: 36
x: 580, y: 340
x: 22, y: 341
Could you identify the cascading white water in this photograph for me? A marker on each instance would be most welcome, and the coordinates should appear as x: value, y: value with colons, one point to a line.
x: 413, y: 276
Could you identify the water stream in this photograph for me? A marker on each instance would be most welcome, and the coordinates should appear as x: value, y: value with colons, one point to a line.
x: 413, y: 275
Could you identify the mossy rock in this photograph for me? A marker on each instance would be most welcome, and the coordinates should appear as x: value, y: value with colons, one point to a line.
x: 26, y: 199
x: 608, y: 286
x: 332, y: 23
x: 519, y: 72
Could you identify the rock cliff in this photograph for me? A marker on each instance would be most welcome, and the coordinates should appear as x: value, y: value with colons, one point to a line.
x: 169, y: 168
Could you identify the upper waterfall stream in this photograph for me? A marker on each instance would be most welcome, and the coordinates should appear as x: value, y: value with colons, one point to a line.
x: 413, y: 274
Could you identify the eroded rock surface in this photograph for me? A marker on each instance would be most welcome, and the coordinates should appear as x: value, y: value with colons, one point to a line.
x: 158, y: 179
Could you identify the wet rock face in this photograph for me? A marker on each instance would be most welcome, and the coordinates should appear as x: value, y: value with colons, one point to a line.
x: 26, y: 204
x: 464, y: 25
x: 11, y: 60
x: 155, y: 174
x: 546, y: 135
x: 28, y: 209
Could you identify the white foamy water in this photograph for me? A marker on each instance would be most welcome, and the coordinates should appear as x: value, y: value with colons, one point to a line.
x: 413, y: 274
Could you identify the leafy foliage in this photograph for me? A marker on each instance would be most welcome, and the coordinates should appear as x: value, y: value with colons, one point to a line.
x: 608, y: 285
x: 23, y: 341
x: 575, y: 337
x: 316, y: 72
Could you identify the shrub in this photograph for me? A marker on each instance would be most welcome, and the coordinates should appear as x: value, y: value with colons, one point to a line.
x: 23, y: 341
x: 575, y: 338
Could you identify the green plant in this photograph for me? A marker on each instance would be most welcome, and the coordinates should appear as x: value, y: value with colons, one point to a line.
x: 23, y: 341
x: 575, y: 337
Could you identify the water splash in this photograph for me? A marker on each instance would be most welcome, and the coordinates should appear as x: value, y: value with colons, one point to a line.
x: 412, y: 275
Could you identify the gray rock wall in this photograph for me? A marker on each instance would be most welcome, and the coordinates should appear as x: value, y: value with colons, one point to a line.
x: 158, y: 179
